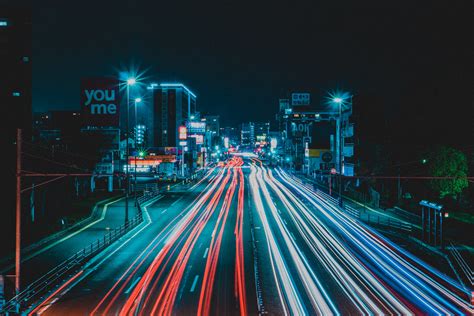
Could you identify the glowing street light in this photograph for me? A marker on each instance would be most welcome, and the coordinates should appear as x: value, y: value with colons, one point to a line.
x: 337, y: 100
x: 138, y: 100
x: 340, y: 100
x: 130, y: 82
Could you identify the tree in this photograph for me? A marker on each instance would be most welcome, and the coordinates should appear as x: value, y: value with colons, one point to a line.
x: 448, y: 162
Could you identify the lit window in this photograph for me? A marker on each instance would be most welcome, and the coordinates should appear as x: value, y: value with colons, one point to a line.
x: 16, y: 93
x: 26, y: 59
x: 3, y: 23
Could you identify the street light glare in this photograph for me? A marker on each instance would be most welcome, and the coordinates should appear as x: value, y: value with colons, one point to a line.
x: 138, y: 100
x: 131, y: 81
x: 337, y: 100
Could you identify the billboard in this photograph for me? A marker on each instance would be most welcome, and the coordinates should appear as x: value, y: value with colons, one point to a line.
x: 300, y: 99
x: 197, y: 127
x: 100, y: 102
x: 199, y: 138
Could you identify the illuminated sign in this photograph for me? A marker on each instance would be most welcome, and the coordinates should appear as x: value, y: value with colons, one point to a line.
x: 100, y: 101
x: 197, y: 127
x: 182, y: 132
x: 139, y: 168
x: 226, y: 142
x: 273, y: 143
x: 183, y: 143
x: 300, y: 99
x: 199, y: 138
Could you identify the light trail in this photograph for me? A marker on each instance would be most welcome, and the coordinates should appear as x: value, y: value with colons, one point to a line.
x: 240, y: 291
x: 315, y: 233
x: 157, y: 290
x: 214, y: 249
x: 402, y: 274
x: 286, y: 288
x: 139, y: 261
x: 320, y: 301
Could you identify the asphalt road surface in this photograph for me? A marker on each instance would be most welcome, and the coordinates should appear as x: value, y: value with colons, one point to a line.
x: 247, y: 239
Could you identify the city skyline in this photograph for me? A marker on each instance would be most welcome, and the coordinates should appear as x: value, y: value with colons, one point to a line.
x: 216, y: 47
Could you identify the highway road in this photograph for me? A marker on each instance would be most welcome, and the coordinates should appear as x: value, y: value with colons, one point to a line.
x: 247, y: 239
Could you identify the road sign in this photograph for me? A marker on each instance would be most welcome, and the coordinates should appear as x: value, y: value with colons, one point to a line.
x: 333, y: 170
x: 326, y: 157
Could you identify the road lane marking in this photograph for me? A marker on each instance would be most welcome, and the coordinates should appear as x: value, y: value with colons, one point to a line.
x: 132, y: 286
x: 164, y: 211
x: 194, y: 283
x: 176, y: 201
x: 205, y: 253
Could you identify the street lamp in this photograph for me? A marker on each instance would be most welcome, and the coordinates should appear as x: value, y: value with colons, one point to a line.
x: 137, y: 100
x: 339, y: 101
x: 130, y: 82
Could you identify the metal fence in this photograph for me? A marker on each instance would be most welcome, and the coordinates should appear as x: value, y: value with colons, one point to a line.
x: 360, y: 212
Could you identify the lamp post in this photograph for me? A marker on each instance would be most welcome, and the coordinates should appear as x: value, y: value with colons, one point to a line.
x: 339, y: 101
x: 137, y: 100
x: 130, y: 82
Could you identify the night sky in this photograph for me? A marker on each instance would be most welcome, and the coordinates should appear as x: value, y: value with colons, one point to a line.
x: 240, y: 57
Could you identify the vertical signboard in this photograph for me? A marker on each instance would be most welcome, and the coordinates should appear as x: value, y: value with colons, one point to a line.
x: 182, y: 133
x: 100, y: 102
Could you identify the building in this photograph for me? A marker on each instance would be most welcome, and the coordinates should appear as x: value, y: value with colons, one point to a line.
x: 173, y: 105
x: 246, y: 134
x: 261, y: 132
x: 231, y: 134
x: 15, y: 65
x: 254, y: 134
x: 212, y: 124
x: 212, y: 130
x: 15, y: 99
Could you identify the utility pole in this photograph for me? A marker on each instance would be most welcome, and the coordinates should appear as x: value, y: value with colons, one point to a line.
x: 340, y: 153
x: 127, y: 183
x: 18, y: 215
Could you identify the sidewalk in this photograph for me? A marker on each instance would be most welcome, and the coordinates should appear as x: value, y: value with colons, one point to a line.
x: 39, y: 260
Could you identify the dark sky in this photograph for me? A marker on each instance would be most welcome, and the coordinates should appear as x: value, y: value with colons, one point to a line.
x: 239, y: 57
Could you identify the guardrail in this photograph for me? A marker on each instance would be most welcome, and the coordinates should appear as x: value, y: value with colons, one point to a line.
x: 57, y: 276
x: 363, y: 215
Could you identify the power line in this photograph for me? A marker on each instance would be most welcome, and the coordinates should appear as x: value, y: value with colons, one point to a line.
x: 55, y: 162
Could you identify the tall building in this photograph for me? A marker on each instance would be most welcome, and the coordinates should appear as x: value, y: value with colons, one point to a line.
x: 15, y: 99
x: 246, y: 134
x: 15, y: 65
x: 254, y: 133
x: 212, y: 124
x: 173, y: 106
x: 261, y: 131
x: 232, y: 134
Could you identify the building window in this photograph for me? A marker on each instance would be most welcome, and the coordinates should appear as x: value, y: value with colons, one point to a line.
x: 16, y: 94
x: 3, y: 23
x: 26, y: 59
